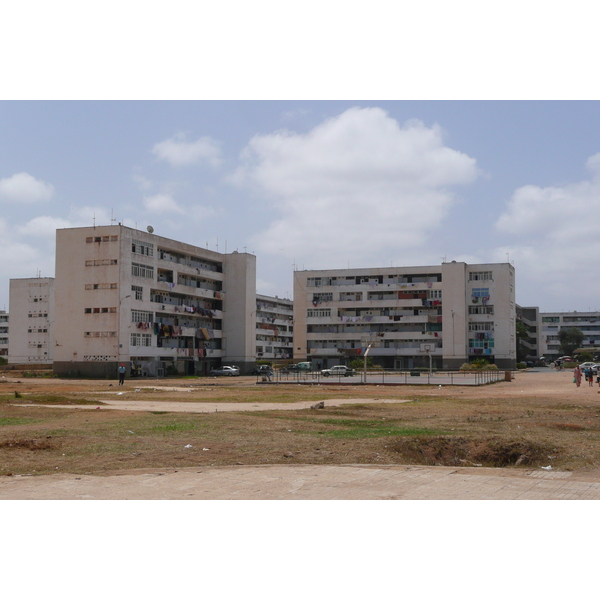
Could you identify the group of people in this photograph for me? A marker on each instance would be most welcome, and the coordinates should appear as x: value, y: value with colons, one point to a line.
x: 589, y: 376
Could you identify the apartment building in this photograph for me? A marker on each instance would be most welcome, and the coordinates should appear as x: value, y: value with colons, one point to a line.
x: 157, y: 305
x: 3, y: 333
x: 274, y: 328
x: 32, y: 321
x: 552, y: 322
x: 453, y: 312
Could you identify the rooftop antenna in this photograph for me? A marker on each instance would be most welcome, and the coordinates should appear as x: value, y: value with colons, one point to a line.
x: 217, y: 244
x: 225, y: 246
x: 112, y: 218
x: 94, y: 220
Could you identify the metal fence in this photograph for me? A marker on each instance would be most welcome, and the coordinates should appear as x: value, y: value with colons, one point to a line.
x: 389, y: 377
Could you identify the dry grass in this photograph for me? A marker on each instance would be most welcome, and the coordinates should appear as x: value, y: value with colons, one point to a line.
x: 499, y: 425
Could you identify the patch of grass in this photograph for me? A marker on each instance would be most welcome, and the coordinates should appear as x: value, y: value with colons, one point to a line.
x: 17, y: 421
x: 159, y: 412
x: 37, y: 399
x: 381, y: 431
x: 173, y: 427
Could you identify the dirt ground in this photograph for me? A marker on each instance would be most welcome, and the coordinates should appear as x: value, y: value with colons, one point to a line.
x: 537, y: 420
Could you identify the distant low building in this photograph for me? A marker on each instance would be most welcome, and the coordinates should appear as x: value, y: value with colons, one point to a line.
x: 32, y: 316
x: 552, y: 322
x: 3, y: 333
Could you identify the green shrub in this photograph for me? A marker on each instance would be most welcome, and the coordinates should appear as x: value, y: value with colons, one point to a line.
x: 521, y: 366
x: 478, y: 364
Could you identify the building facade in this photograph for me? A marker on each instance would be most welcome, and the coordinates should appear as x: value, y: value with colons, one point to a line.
x: 452, y: 313
x: 552, y: 322
x: 274, y: 328
x: 32, y: 321
x: 156, y: 305
x: 4, y: 333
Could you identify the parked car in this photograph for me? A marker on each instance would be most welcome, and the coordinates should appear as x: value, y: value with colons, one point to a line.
x: 589, y: 365
x: 301, y: 367
x: 338, y: 371
x: 226, y: 371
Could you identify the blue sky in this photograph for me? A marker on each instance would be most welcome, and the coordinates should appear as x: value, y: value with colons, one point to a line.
x: 247, y: 127
x: 318, y: 184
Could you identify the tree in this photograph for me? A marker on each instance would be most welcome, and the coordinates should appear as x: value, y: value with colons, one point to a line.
x: 570, y: 339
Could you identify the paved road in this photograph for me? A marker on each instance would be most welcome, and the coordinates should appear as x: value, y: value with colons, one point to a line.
x: 309, y: 482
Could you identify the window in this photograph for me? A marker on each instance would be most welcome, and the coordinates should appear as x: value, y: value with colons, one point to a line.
x: 104, y: 238
x: 101, y: 263
x: 138, y: 270
x: 481, y: 310
x: 480, y: 276
x: 550, y: 319
x: 137, y: 291
x: 144, y: 248
x: 141, y: 339
x: 322, y: 297
x: 97, y: 334
x: 481, y: 292
x: 484, y: 326
x: 100, y: 286
x: 318, y: 312
x: 141, y: 316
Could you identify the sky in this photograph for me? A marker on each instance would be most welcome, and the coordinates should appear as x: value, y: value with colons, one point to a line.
x: 327, y: 137
x: 315, y: 184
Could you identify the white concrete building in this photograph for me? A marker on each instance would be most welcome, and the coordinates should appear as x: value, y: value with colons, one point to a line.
x: 454, y: 312
x: 159, y: 306
x: 32, y: 321
x: 4, y: 333
x: 552, y: 322
x: 274, y: 328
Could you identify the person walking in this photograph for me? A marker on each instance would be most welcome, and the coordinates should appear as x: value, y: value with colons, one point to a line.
x: 122, y: 370
x: 590, y: 376
x: 577, y: 376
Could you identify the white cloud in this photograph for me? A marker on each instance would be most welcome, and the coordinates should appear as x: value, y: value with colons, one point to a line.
x: 358, y: 186
x: 179, y: 152
x: 43, y: 227
x: 143, y: 183
x: 161, y: 204
x: 555, y: 242
x: 22, y: 187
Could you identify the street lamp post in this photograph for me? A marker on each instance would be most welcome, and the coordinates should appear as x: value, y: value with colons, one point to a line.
x: 365, y: 364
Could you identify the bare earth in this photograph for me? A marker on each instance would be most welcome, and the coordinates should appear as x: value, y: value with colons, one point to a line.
x: 530, y: 397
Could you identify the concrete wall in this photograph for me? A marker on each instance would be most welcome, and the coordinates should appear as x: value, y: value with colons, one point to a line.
x: 239, y: 305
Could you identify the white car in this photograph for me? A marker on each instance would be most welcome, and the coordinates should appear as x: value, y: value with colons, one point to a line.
x: 227, y: 371
x: 339, y: 371
x: 589, y: 365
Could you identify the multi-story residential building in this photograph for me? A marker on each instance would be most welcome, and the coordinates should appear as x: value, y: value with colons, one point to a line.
x: 552, y: 322
x: 274, y: 328
x: 32, y: 320
x: 454, y: 313
x: 157, y: 305
x: 3, y: 333
x: 530, y: 345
